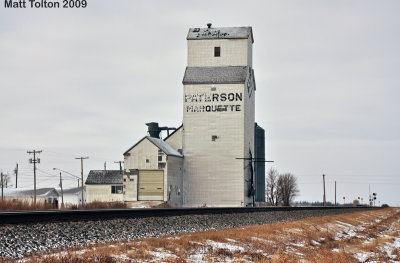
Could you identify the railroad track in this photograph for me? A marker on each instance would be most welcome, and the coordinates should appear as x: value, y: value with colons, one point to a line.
x: 26, y: 232
x: 87, y: 215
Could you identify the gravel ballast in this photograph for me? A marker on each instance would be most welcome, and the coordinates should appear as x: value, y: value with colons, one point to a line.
x: 19, y: 240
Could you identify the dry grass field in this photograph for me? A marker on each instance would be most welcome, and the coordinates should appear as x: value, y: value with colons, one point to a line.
x: 368, y: 236
x: 21, y: 205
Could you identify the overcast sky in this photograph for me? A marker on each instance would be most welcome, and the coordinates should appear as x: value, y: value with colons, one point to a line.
x: 83, y: 83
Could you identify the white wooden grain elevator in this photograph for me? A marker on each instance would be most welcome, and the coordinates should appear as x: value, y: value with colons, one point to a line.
x: 218, y: 117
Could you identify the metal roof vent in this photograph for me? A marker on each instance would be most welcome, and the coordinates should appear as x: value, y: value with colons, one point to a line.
x: 209, y: 25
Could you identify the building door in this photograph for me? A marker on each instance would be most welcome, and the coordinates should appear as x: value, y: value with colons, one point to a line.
x: 151, y: 185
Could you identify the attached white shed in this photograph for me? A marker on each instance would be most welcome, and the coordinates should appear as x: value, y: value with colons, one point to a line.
x: 153, y: 171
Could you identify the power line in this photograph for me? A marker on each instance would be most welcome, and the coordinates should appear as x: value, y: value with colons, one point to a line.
x: 351, y: 175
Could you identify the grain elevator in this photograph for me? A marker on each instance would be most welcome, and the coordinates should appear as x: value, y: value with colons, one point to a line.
x: 209, y: 160
x: 218, y: 117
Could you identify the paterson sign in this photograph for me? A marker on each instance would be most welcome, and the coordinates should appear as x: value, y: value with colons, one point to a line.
x: 213, y: 102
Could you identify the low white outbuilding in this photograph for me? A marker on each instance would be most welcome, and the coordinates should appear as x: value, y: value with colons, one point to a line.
x: 73, y: 196
x: 47, y: 195
x: 104, y: 186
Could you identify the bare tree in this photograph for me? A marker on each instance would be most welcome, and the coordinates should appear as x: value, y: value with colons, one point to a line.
x: 271, y: 187
x: 6, y: 181
x: 287, y: 188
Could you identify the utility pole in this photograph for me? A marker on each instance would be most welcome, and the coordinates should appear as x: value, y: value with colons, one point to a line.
x: 62, y: 193
x: 335, y: 193
x: 82, y: 158
x: 120, y: 165
x: 105, y: 166
x: 16, y: 176
x: 323, y: 178
x: 34, y: 161
x: 2, y: 195
x: 370, y: 199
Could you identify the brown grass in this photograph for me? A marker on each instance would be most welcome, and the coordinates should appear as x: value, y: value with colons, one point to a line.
x: 280, y: 242
x: 19, y: 205
x: 7, y: 204
x: 98, y: 205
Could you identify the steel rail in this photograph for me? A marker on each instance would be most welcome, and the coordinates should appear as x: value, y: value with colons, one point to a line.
x: 104, y: 214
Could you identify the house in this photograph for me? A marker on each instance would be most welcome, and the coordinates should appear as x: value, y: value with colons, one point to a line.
x: 104, y: 186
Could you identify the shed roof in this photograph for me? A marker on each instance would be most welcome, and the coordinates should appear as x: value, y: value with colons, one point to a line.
x: 30, y: 192
x: 160, y: 144
x: 165, y: 147
x: 75, y: 190
x: 104, y: 177
x: 220, y: 33
x: 216, y: 75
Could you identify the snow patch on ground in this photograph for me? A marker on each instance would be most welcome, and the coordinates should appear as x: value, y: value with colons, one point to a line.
x: 219, y: 245
x: 363, y: 256
x: 299, y: 244
x: 389, y: 247
x: 262, y: 240
x: 315, y: 243
x: 160, y: 255
x: 198, y: 257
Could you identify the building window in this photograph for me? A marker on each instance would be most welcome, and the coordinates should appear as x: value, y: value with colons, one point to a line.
x: 147, y: 160
x: 116, y: 189
x: 160, y: 158
x: 214, y: 138
x: 217, y: 51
